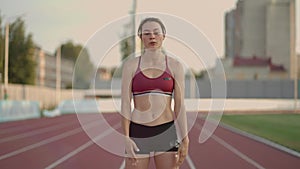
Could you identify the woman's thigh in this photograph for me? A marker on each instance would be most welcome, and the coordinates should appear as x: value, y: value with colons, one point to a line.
x: 166, y: 160
x: 141, y: 162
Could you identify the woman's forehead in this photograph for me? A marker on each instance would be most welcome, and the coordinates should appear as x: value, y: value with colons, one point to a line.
x: 151, y: 26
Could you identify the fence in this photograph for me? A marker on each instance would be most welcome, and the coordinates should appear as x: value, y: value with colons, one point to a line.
x: 275, y: 88
x: 47, y: 97
x: 283, y: 89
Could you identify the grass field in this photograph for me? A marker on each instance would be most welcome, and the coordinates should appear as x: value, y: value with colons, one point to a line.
x: 283, y: 129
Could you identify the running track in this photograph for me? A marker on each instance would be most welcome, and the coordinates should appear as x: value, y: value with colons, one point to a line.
x: 61, y: 142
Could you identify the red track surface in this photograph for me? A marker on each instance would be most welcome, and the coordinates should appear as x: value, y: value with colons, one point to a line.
x: 61, y: 142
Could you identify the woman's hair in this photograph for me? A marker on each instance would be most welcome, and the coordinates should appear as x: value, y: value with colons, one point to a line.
x: 151, y: 19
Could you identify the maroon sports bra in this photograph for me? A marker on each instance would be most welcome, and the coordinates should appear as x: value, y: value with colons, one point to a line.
x: 163, y: 84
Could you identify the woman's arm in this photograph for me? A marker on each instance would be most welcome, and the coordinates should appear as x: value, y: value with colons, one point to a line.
x: 179, y: 107
x: 126, y: 96
x: 180, y: 112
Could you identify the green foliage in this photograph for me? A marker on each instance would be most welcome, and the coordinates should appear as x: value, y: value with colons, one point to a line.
x: 21, y: 57
x: 199, y: 75
x: 21, y: 67
x: 70, y: 51
x: 83, y: 66
x: 21, y: 54
x: 84, y: 71
x: 126, y: 47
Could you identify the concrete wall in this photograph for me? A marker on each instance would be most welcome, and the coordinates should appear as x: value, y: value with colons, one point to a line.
x: 283, y: 89
x: 252, y: 88
x: 269, y: 88
x: 45, y: 96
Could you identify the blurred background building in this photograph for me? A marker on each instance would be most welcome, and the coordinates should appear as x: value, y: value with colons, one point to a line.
x: 259, y: 60
x: 46, y: 69
x: 260, y: 40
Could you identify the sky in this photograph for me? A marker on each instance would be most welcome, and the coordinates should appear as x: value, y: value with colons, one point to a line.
x: 57, y: 21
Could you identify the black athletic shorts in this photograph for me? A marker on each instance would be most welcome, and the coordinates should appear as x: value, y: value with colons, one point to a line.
x: 160, y: 138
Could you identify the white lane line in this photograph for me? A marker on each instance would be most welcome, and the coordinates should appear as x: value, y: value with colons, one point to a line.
x: 84, y: 146
x: 237, y: 152
x: 233, y: 149
x: 122, y: 165
x: 188, y: 158
x: 190, y: 162
x: 28, y: 125
x: 35, y: 132
x: 261, y: 140
x: 49, y: 140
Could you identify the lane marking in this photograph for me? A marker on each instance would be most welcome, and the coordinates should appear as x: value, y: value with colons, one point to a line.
x: 50, y: 140
x: 190, y: 162
x: 122, y: 165
x: 261, y: 140
x: 237, y: 152
x: 84, y: 146
x: 232, y: 149
x: 36, y: 132
x: 27, y: 125
x: 188, y: 158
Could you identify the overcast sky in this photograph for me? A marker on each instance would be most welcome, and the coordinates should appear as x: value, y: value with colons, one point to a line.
x: 56, y: 21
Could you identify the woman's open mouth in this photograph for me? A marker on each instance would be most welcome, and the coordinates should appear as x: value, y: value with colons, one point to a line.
x: 152, y: 43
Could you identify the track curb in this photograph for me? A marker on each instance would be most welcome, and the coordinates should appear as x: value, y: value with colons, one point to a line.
x: 260, y: 139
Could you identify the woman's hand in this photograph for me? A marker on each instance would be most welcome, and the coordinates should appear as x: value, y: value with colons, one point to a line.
x: 182, y: 151
x: 130, y: 148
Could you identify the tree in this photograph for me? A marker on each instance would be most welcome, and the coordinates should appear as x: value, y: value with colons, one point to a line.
x: 126, y: 47
x: 21, y: 54
x: 83, y: 66
x: 70, y: 51
x: 198, y: 74
x: 126, y: 44
x: 2, y: 42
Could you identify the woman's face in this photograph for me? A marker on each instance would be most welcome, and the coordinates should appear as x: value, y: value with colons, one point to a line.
x: 152, y: 35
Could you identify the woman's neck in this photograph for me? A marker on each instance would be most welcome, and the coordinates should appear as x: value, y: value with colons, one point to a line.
x: 154, y: 55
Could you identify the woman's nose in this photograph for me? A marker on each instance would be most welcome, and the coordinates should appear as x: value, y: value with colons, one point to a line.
x: 152, y: 35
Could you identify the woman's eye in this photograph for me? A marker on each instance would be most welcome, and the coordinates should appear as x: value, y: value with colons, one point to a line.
x: 146, y: 34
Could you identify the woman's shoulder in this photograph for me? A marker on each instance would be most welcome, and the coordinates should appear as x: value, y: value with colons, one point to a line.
x: 174, y: 64
x: 131, y: 63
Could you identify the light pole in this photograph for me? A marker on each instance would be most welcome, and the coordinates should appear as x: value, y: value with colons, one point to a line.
x: 296, y: 84
x: 58, y: 75
x: 133, y: 12
x: 6, y: 59
x: 1, y: 86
